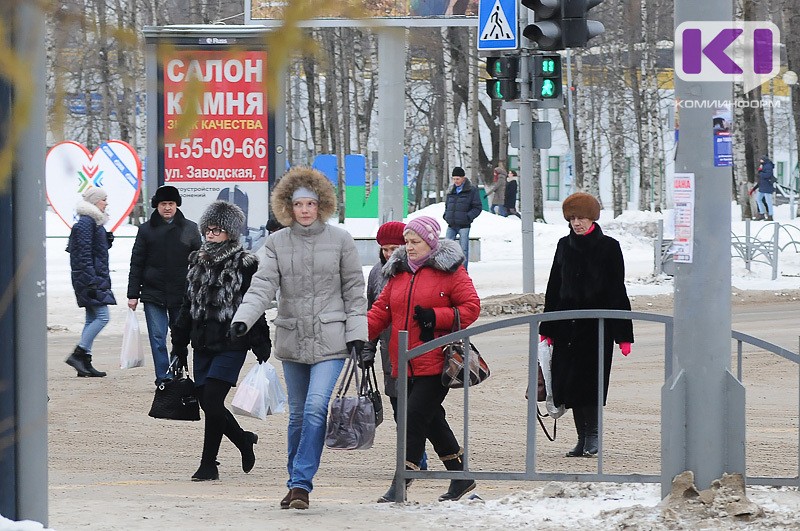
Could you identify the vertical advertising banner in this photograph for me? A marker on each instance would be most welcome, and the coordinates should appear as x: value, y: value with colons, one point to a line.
x: 225, y: 151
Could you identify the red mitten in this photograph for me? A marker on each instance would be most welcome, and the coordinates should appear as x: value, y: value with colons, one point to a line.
x: 625, y: 348
x: 548, y: 339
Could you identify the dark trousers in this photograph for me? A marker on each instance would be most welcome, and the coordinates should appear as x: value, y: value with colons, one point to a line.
x: 426, y: 419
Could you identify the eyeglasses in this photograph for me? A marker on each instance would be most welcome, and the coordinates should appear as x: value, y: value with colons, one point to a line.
x: 216, y: 231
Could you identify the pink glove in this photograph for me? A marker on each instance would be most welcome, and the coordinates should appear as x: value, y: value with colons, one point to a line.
x: 549, y: 340
x: 625, y: 348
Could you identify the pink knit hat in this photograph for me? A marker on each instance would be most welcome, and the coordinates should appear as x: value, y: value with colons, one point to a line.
x: 426, y: 228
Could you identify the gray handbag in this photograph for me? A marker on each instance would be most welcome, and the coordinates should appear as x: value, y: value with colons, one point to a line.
x: 351, y: 423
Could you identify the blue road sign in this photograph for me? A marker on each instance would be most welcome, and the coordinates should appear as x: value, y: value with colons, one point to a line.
x: 498, y: 28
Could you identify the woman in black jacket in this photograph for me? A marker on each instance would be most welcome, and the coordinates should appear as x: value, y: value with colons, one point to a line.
x: 88, y: 259
x: 219, y: 275
x: 588, y: 273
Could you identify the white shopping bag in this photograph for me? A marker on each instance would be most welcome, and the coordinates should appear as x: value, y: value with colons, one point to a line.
x: 260, y: 393
x: 545, y: 359
x: 132, y: 353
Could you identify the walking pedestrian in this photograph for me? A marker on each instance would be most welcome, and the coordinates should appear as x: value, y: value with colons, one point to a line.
x: 321, y: 313
x: 462, y: 205
x: 219, y: 274
x: 389, y: 237
x: 426, y: 285
x: 159, y: 262
x: 588, y: 272
x: 88, y: 259
x: 511, y: 194
x: 766, y: 187
x: 498, y: 191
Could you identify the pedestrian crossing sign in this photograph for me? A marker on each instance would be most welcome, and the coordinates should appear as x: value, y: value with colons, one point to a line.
x: 498, y: 28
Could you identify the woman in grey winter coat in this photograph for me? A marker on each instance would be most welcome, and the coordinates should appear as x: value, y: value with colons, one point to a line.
x: 321, y: 313
x: 88, y: 258
x: 219, y: 275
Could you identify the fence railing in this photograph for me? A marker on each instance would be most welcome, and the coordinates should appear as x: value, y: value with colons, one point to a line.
x: 531, y: 473
x: 765, y: 246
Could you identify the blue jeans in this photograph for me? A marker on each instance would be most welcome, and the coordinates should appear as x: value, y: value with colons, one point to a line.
x: 158, y: 318
x: 309, y: 388
x: 97, y: 318
x: 500, y: 210
x: 463, y: 237
x: 760, y: 198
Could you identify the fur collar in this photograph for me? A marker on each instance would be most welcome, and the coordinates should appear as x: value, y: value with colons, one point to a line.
x: 85, y: 208
x: 214, y: 281
x: 464, y: 187
x: 281, y: 199
x: 447, y: 257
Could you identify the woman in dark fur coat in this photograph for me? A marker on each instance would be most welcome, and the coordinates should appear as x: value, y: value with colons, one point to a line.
x: 588, y: 273
x: 219, y: 275
x: 88, y: 258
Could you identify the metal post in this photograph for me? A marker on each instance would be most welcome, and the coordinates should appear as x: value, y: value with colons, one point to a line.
x: 391, y: 110
x: 712, y: 410
x: 526, y: 169
x: 28, y: 309
x: 570, y: 122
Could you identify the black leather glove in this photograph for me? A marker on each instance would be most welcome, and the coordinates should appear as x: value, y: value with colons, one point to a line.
x: 367, y: 357
x: 426, y: 318
x: 355, y: 344
x: 263, y: 350
x: 182, y: 354
x: 238, y: 329
x: 91, y: 293
x: 110, y: 238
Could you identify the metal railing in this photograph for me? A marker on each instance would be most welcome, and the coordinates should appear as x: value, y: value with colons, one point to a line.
x: 531, y: 473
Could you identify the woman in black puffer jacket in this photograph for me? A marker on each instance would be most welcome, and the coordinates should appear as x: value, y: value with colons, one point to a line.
x: 88, y: 259
x: 219, y: 275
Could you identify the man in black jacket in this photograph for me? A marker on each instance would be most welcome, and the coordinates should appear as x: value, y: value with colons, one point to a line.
x: 461, y: 206
x: 159, y: 263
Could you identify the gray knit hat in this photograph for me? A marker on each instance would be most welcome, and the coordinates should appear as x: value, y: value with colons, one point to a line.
x: 224, y: 215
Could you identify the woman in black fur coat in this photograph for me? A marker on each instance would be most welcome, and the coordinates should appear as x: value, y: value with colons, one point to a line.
x: 219, y: 275
x: 588, y: 273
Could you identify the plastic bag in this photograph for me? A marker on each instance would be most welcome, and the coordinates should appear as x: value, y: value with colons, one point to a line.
x: 545, y: 358
x: 132, y: 353
x: 260, y: 393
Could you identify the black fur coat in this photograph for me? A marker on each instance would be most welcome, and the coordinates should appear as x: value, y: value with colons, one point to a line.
x: 588, y: 273
x: 219, y: 275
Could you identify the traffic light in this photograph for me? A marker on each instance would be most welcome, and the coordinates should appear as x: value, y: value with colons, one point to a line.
x: 503, y: 85
x: 546, y: 77
x: 560, y: 24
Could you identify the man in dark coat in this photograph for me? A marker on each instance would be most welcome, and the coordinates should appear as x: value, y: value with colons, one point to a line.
x: 462, y: 205
x: 511, y: 194
x: 588, y: 273
x: 159, y: 263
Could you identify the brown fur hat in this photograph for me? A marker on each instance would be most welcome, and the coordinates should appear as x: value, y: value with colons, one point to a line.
x: 302, y: 176
x: 581, y: 205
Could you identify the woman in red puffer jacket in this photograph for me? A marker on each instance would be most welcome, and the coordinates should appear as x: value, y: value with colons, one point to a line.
x: 427, y: 281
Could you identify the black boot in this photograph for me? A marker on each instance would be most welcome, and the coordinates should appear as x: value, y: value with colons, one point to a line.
x: 391, y: 494
x: 592, y: 445
x: 580, y: 427
x: 458, y: 487
x: 92, y: 371
x: 207, y: 472
x: 243, y: 440
x: 77, y: 361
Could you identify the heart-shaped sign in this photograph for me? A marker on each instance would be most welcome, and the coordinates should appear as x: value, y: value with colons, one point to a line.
x: 70, y: 169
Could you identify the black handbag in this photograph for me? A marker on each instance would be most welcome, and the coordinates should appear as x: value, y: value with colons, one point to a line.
x: 351, y: 422
x: 454, y: 354
x: 175, y: 399
x: 370, y: 381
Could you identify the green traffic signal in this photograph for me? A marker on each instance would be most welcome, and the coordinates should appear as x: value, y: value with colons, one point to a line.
x: 548, y: 65
x: 548, y: 89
